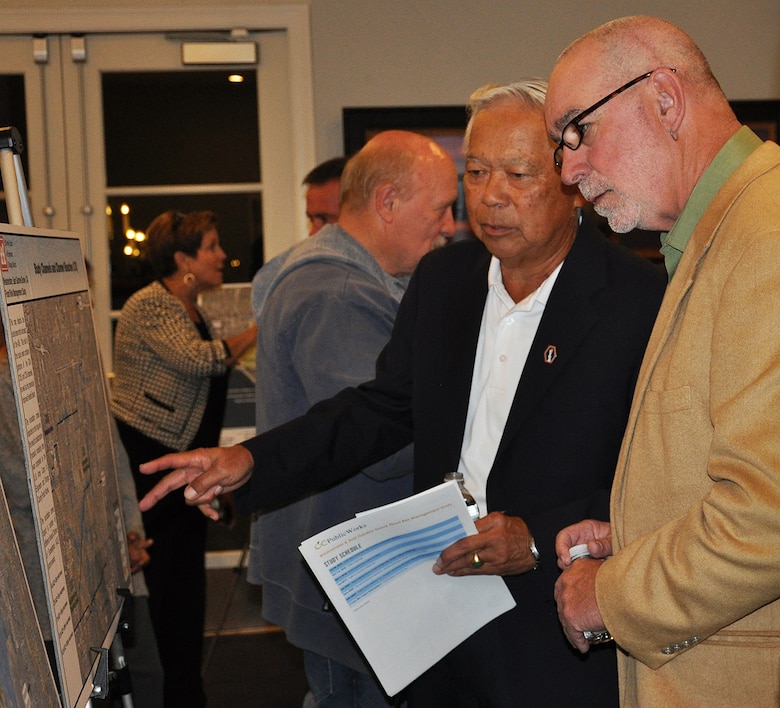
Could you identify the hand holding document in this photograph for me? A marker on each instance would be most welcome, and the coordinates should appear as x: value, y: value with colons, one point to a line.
x: 376, y: 569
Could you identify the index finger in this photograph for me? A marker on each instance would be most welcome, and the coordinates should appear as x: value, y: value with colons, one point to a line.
x: 171, y: 461
x: 171, y: 482
x: 452, y: 556
x: 463, y: 546
x: 581, y: 532
x: 564, y: 540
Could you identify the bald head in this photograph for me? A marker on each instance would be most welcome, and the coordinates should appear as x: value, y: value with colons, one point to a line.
x: 397, y: 194
x: 643, y: 115
x: 631, y: 45
x: 391, y: 156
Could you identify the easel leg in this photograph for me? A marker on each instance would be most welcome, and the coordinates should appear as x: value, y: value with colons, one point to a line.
x: 16, y: 197
x: 121, y: 671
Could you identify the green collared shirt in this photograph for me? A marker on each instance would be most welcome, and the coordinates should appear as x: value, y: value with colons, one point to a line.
x: 730, y: 157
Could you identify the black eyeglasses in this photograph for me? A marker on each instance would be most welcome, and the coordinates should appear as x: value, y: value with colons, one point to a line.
x: 573, y: 132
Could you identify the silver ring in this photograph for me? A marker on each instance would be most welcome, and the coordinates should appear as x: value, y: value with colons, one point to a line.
x: 476, y: 562
x: 599, y: 637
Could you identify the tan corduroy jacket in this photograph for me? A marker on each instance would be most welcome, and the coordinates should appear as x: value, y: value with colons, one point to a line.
x: 693, y: 594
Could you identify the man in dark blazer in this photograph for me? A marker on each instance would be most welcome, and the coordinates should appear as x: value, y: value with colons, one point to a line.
x: 513, y: 359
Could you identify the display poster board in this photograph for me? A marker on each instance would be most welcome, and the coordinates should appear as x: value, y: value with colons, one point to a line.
x: 229, y: 309
x: 64, y: 420
x: 25, y: 676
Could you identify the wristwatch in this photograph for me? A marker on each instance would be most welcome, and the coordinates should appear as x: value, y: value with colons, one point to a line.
x: 534, y: 552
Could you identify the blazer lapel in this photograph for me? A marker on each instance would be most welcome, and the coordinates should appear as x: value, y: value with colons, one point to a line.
x: 567, y: 318
x: 462, y: 323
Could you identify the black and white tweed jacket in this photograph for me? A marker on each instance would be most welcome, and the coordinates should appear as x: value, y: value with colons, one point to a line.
x: 162, y: 367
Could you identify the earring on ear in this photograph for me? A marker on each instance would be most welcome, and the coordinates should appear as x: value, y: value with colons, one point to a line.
x: 189, y: 278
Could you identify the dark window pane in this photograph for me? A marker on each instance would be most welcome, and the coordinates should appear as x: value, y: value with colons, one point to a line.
x: 240, y: 234
x: 13, y: 113
x: 183, y: 127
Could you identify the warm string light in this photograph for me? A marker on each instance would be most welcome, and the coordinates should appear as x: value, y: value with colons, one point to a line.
x: 134, y: 238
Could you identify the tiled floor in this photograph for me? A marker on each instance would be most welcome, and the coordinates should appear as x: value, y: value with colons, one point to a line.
x: 255, y: 670
x: 247, y: 663
x: 233, y: 605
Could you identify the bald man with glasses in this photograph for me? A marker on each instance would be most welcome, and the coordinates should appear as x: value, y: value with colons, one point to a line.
x: 686, y: 577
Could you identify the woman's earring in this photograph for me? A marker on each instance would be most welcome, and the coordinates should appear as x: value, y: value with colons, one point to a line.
x: 189, y: 278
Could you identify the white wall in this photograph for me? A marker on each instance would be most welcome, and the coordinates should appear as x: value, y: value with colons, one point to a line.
x: 429, y: 52
x: 436, y: 52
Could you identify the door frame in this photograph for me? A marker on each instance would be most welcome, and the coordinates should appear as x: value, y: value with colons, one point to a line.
x: 284, y: 219
x: 292, y: 18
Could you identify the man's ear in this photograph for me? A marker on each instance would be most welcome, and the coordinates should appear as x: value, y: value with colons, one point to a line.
x: 670, y: 97
x: 386, y: 200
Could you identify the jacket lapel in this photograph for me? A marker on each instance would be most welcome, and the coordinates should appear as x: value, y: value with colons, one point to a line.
x: 462, y: 323
x: 567, y: 318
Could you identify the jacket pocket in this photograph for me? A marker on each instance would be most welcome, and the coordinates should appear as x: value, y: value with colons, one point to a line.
x: 668, y: 401
x: 158, y: 402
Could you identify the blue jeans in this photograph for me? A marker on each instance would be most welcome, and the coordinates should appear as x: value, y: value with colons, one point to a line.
x: 333, y: 685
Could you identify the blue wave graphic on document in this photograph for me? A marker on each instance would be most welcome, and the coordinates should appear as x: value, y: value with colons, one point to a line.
x: 365, y: 571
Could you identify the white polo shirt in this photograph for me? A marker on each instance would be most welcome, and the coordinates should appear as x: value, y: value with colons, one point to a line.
x: 505, y: 337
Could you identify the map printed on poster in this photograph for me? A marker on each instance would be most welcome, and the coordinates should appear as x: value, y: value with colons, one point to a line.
x: 229, y: 308
x: 25, y: 675
x: 68, y: 448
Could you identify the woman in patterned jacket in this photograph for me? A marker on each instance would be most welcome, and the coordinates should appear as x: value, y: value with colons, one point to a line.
x: 169, y: 394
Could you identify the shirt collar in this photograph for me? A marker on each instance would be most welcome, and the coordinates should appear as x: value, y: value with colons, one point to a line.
x: 540, y: 295
x: 726, y: 162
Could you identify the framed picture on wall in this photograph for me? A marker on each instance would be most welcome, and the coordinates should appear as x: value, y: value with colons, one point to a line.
x: 762, y: 116
x: 443, y: 124
x: 446, y: 123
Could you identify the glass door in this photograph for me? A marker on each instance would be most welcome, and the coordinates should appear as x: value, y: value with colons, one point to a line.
x: 30, y: 78
x: 117, y: 128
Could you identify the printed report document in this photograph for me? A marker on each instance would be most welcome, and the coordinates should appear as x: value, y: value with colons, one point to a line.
x: 376, y: 570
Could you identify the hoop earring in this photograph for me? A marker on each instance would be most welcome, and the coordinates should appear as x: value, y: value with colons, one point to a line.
x: 189, y: 278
